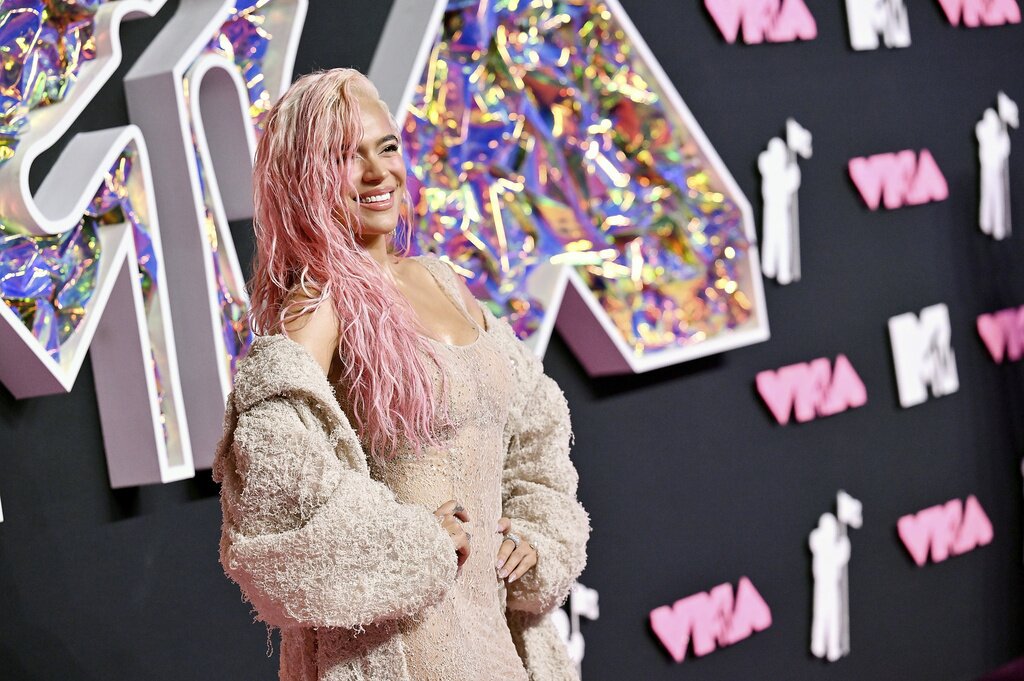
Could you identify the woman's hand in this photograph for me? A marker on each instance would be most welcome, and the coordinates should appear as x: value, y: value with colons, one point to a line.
x: 450, y: 513
x: 513, y: 561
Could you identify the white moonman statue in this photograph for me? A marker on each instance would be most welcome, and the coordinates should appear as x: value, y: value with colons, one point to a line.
x: 993, y: 157
x: 830, y: 550
x: 582, y: 603
x: 780, y: 180
x: 831, y: 553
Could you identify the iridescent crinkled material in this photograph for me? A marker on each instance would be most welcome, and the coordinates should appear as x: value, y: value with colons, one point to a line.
x: 42, y: 47
x: 242, y: 40
x: 49, y: 280
x: 538, y: 134
x: 236, y: 330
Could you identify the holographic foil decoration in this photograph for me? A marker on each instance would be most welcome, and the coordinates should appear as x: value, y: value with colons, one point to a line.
x: 49, y: 280
x: 237, y: 332
x: 538, y: 134
x: 42, y: 47
x: 243, y: 40
x: 238, y: 335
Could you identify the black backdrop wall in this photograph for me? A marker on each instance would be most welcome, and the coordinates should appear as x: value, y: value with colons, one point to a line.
x: 688, y: 480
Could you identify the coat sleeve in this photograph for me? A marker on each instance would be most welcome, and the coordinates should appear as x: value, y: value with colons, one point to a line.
x: 309, y: 537
x: 539, y: 484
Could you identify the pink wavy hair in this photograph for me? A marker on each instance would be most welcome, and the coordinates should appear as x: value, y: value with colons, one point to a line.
x: 307, y: 254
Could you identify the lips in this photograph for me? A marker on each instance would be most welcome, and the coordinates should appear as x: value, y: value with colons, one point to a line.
x: 377, y: 200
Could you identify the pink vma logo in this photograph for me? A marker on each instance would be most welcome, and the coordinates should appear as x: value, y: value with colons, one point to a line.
x: 711, y: 619
x: 1003, y: 333
x: 974, y: 13
x: 945, y: 530
x: 773, y: 21
x: 812, y: 389
x: 898, y: 179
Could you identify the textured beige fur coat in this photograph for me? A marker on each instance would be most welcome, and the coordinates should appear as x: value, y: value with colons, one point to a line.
x: 328, y: 555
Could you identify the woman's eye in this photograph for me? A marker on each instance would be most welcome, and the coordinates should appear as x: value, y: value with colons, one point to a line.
x: 391, y: 148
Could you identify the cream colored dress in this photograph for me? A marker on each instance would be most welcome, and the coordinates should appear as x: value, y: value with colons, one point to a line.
x: 465, y: 637
x: 353, y: 566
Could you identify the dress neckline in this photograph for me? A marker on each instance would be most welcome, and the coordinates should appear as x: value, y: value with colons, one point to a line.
x: 480, y: 331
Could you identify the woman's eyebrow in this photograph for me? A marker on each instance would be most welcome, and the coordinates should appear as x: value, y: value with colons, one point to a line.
x: 387, y: 138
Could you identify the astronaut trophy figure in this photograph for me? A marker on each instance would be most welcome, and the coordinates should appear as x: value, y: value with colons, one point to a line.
x: 583, y: 602
x: 831, y: 555
x: 994, y: 159
x: 830, y: 551
x: 780, y: 181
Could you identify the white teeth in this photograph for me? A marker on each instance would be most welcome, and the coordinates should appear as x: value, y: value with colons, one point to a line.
x: 376, y: 198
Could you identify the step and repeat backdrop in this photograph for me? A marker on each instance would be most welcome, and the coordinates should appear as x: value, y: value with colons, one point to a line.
x: 766, y: 247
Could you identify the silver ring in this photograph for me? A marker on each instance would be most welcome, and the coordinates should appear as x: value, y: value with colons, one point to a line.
x: 514, y: 538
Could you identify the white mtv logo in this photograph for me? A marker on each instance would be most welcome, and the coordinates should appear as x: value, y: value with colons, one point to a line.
x: 870, y: 20
x: 923, y: 355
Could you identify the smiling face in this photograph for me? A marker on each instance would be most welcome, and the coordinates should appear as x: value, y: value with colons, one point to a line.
x: 377, y: 172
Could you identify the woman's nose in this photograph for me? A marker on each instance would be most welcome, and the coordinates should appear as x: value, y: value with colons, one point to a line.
x: 373, y: 170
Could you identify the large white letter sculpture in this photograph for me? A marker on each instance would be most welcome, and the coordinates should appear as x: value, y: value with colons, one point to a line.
x: 780, y: 181
x: 869, y: 19
x: 127, y: 329
x: 601, y: 188
x: 90, y: 236
x: 194, y: 106
x: 923, y: 354
x: 830, y: 550
x: 994, y: 161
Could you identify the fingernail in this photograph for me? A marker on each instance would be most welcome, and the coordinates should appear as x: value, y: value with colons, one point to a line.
x: 497, y: 528
x: 499, y: 563
x: 503, y: 574
x: 511, y: 579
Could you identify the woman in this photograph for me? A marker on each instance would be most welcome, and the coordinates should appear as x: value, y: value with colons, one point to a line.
x: 396, y: 486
